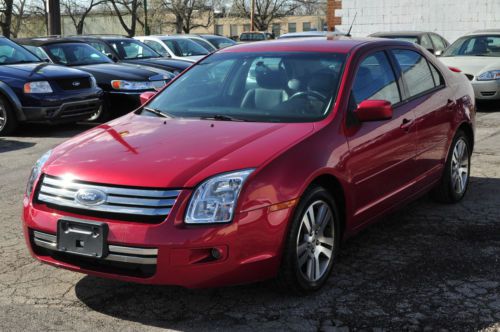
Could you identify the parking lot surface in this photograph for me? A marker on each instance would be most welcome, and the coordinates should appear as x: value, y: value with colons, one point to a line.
x: 429, y: 267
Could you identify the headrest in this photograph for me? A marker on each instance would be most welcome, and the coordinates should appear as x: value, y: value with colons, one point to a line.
x: 269, y: 79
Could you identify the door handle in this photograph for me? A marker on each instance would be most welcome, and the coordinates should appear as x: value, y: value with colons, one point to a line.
x: 406, y: 124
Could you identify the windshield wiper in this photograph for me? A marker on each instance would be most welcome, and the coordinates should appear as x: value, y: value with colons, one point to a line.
x: 221, y: 117
x: 157, y: 112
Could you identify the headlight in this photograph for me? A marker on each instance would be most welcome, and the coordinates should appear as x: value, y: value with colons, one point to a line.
x: 35, y: 172
x: 214, y: 200
x: 37, y: 87
x: 131, y: 85
x: 489, y: 75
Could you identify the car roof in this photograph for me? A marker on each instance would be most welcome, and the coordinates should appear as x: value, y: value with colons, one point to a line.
x: 399, y: 33
x: 99, y: 36
x: 338, y: 44
x: 485, y: 32
x: 41, y: 41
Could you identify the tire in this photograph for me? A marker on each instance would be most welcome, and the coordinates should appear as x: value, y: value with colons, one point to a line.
x: 304, y: 250
x: 455, y: 179
x: 8, y: 120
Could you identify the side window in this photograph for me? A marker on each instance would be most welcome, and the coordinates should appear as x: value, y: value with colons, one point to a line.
x: 436, y: 75
x: 426, y: 42
x: 375, y: 79
x: 416, y: 71
x: 156, y: 46
x: 438, y: 42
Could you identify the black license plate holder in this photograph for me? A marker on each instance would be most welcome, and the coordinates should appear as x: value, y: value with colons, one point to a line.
x: 84, y: 238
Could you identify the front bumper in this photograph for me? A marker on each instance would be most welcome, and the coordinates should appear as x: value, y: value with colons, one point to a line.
x: 486, y: 90
x: 66, y: 112
x: 176, y: 254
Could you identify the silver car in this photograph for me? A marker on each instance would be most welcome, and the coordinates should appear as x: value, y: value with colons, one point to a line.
x: 175, y: 47
x: 477, y: 55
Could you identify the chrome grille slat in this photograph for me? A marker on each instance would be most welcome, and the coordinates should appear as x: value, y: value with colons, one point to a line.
x: 123, y: 201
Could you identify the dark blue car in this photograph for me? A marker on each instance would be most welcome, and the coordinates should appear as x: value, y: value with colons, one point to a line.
x: 33, y: 90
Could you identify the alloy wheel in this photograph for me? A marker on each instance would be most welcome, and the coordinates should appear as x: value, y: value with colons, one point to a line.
x: 460, y: 167
x: 3, y: 117
x: 315, y: 241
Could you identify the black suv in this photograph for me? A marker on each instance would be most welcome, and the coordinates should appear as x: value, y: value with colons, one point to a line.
x: 130, y: 50
x: 122, y: 83
x: 33, y: 90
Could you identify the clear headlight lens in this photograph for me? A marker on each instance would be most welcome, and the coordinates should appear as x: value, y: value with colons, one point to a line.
x: 35, y: 172
x: 214, y: 200
x: 489, y: 75
x: 136, y: 85
x: 37, y: 87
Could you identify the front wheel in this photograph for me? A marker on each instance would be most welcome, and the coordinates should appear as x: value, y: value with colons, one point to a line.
x: 8, y: 120
x: 455, y: 179
x: 312, y: 243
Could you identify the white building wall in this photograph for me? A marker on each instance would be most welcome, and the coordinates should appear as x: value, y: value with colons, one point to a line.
x: 449, y: 18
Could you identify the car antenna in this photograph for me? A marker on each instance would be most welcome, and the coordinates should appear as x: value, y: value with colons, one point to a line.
x: 348, y: 34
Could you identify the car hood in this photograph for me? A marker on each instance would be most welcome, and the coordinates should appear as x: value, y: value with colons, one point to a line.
x: 473, y: 65
x: 143, y: 151
x: 39, y: 71
x: 105, y: 72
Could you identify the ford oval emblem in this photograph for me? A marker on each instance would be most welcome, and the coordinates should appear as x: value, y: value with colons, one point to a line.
x: 76, y: 83
x: 90, y: 197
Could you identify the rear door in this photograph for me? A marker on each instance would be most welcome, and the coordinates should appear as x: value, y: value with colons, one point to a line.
x: 426, y: 93
x: 381, y: 162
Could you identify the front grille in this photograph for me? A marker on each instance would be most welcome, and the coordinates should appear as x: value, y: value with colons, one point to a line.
x: 74, y: 83
x: 470, y: 77
x: 133, y: 261
x: 488, y: 93
x: 80, y: 109
x: 122, y: 203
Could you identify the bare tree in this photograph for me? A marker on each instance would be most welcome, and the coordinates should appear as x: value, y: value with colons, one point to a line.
x: 78, y: 10
x: 190, y: 14
x: 38, y: 8
x: 266, y: 11
x: 6, y: 12
x: 128, y: 7
x: 18, y: 14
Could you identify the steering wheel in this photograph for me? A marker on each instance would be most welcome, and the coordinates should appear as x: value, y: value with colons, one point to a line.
x: 310, y: 93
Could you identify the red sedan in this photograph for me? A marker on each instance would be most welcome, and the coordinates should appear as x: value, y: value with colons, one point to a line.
x: 255, y: 163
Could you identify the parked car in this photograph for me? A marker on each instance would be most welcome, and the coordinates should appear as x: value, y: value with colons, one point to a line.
x: 175, y: 47
x: 431, y: 41
x: 202, y: 42
x: 307, y: 34
x: 122, y: 83
x: 32, y: 90
x: 255, y: 36
x: 129, y: 50
x: 477, y: 55
x: 218, y: 42
x: 255, y: 163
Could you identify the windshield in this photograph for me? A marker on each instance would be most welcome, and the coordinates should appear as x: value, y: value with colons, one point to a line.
x: 11, y: 53
x: 252, y: 36
x: 483, y: 45
x: 220, y: 42
x: 75, y: 54
x: 132, y: 49
x: 185, y: 47
x: 263, y: 87
x: 206, y: 45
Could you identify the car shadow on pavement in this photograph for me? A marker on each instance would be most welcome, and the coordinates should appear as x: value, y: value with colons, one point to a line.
x: 427, y: 267
x: 7, y: 145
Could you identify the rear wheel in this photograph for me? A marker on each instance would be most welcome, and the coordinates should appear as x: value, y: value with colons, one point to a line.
x: 312, y: 243
x: 8, y: 120
x: 455, y: 179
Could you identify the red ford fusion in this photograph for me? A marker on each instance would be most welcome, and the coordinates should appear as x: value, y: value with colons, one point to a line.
x: 255, y: 163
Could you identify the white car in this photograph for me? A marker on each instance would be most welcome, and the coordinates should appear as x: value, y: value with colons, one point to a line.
x: 477, y: 55
x: 175, y: 47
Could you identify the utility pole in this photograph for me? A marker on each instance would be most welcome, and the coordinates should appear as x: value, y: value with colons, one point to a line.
x: 252, y: 13
x: 54, y: 13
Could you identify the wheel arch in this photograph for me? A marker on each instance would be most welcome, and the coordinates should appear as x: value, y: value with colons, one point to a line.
x: 466, y: 127
x: 11, y: 97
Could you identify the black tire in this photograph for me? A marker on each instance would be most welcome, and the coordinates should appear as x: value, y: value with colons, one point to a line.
x: 446, y: 191
x: 291, y: 276
x: 8, y: 120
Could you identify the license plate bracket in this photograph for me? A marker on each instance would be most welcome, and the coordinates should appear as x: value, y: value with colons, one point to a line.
x: 84, y: 238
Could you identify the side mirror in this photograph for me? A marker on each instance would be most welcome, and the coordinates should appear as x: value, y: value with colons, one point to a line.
x: 146, y: 96
x: 374, y: 110
x: 438, y: 53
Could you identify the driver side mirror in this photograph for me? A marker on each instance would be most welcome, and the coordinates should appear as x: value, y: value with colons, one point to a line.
x: 146, y: 96
x: 374, y: 110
